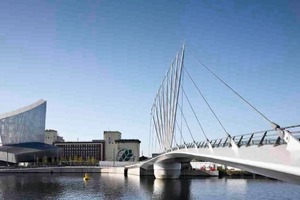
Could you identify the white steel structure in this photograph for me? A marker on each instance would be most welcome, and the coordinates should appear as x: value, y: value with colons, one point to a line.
x: 274, y: 153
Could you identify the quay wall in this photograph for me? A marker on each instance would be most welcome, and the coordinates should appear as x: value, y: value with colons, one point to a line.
x: 53, y: 170
x: 97, y: 169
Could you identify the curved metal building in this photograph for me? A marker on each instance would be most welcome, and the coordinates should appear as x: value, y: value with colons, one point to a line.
x: 26, y: 124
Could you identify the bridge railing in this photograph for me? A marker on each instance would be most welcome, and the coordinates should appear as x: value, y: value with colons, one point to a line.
x: 260, y: 138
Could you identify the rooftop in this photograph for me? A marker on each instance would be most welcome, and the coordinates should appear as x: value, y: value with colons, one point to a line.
x: 81, y: 142
x: 112, y: 132
x: 22, y: 110
x: 128, y: 141
x: 50, y: 130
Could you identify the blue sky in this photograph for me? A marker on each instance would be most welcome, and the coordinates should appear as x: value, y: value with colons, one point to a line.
x: 100, y: 63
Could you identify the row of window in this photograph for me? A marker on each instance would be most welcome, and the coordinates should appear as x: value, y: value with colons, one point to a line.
x: 89, y: 147
x: 84, y: 156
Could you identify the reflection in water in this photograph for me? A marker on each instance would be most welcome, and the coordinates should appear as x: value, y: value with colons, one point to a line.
x: 116, y: 185
x: 14, y: 186
x: 167, y: 189
x: 238, y: 187
x: 109, y: 186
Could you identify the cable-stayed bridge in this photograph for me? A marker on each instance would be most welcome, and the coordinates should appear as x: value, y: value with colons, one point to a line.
x: 274, y: 153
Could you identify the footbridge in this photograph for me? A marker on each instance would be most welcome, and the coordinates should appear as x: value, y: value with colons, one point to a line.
x: 274, y: 153
x: 262, y: 153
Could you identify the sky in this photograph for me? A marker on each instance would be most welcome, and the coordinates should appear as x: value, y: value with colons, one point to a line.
x: 99, y: 64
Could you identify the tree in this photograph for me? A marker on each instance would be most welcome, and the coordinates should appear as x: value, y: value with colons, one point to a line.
x: 87, y: 160
x: 75, y: 160
x: 93, y: 160
x: 45, y: 160
x: 80, y: 160
x: 70, y: 160
x: 62, y: 160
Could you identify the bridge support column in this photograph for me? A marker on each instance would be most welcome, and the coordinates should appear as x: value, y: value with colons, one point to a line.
x: 167, y: 170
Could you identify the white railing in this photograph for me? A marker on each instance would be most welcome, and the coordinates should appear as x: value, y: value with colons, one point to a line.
x: 267, y: 137
x: 114, y: 163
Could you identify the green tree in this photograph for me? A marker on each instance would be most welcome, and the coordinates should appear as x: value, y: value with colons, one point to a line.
x: 75, y: 160
x: 70, y: 160
x: 45, y: 160
x: 88, y: 160
x: 93, y: 160
x: 80, y: 160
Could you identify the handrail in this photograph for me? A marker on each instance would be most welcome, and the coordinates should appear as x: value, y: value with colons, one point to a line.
x: 259, y: 138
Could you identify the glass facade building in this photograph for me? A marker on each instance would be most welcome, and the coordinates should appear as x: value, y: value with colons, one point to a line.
x: 26, y: 124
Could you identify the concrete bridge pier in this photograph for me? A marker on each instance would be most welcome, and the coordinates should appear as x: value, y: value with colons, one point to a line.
x: 167, y: 170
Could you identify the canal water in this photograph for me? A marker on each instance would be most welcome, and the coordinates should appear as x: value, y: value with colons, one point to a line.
x: 112, y: 186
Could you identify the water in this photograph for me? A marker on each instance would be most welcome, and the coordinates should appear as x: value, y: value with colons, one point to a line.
x: 111, y: 186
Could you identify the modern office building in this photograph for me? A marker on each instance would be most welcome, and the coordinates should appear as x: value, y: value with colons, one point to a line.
x: 112, y: 148
x: 22, y: 134
x: 75, y: 151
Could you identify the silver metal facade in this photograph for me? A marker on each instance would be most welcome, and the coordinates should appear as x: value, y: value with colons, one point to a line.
x: 24, y: 125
